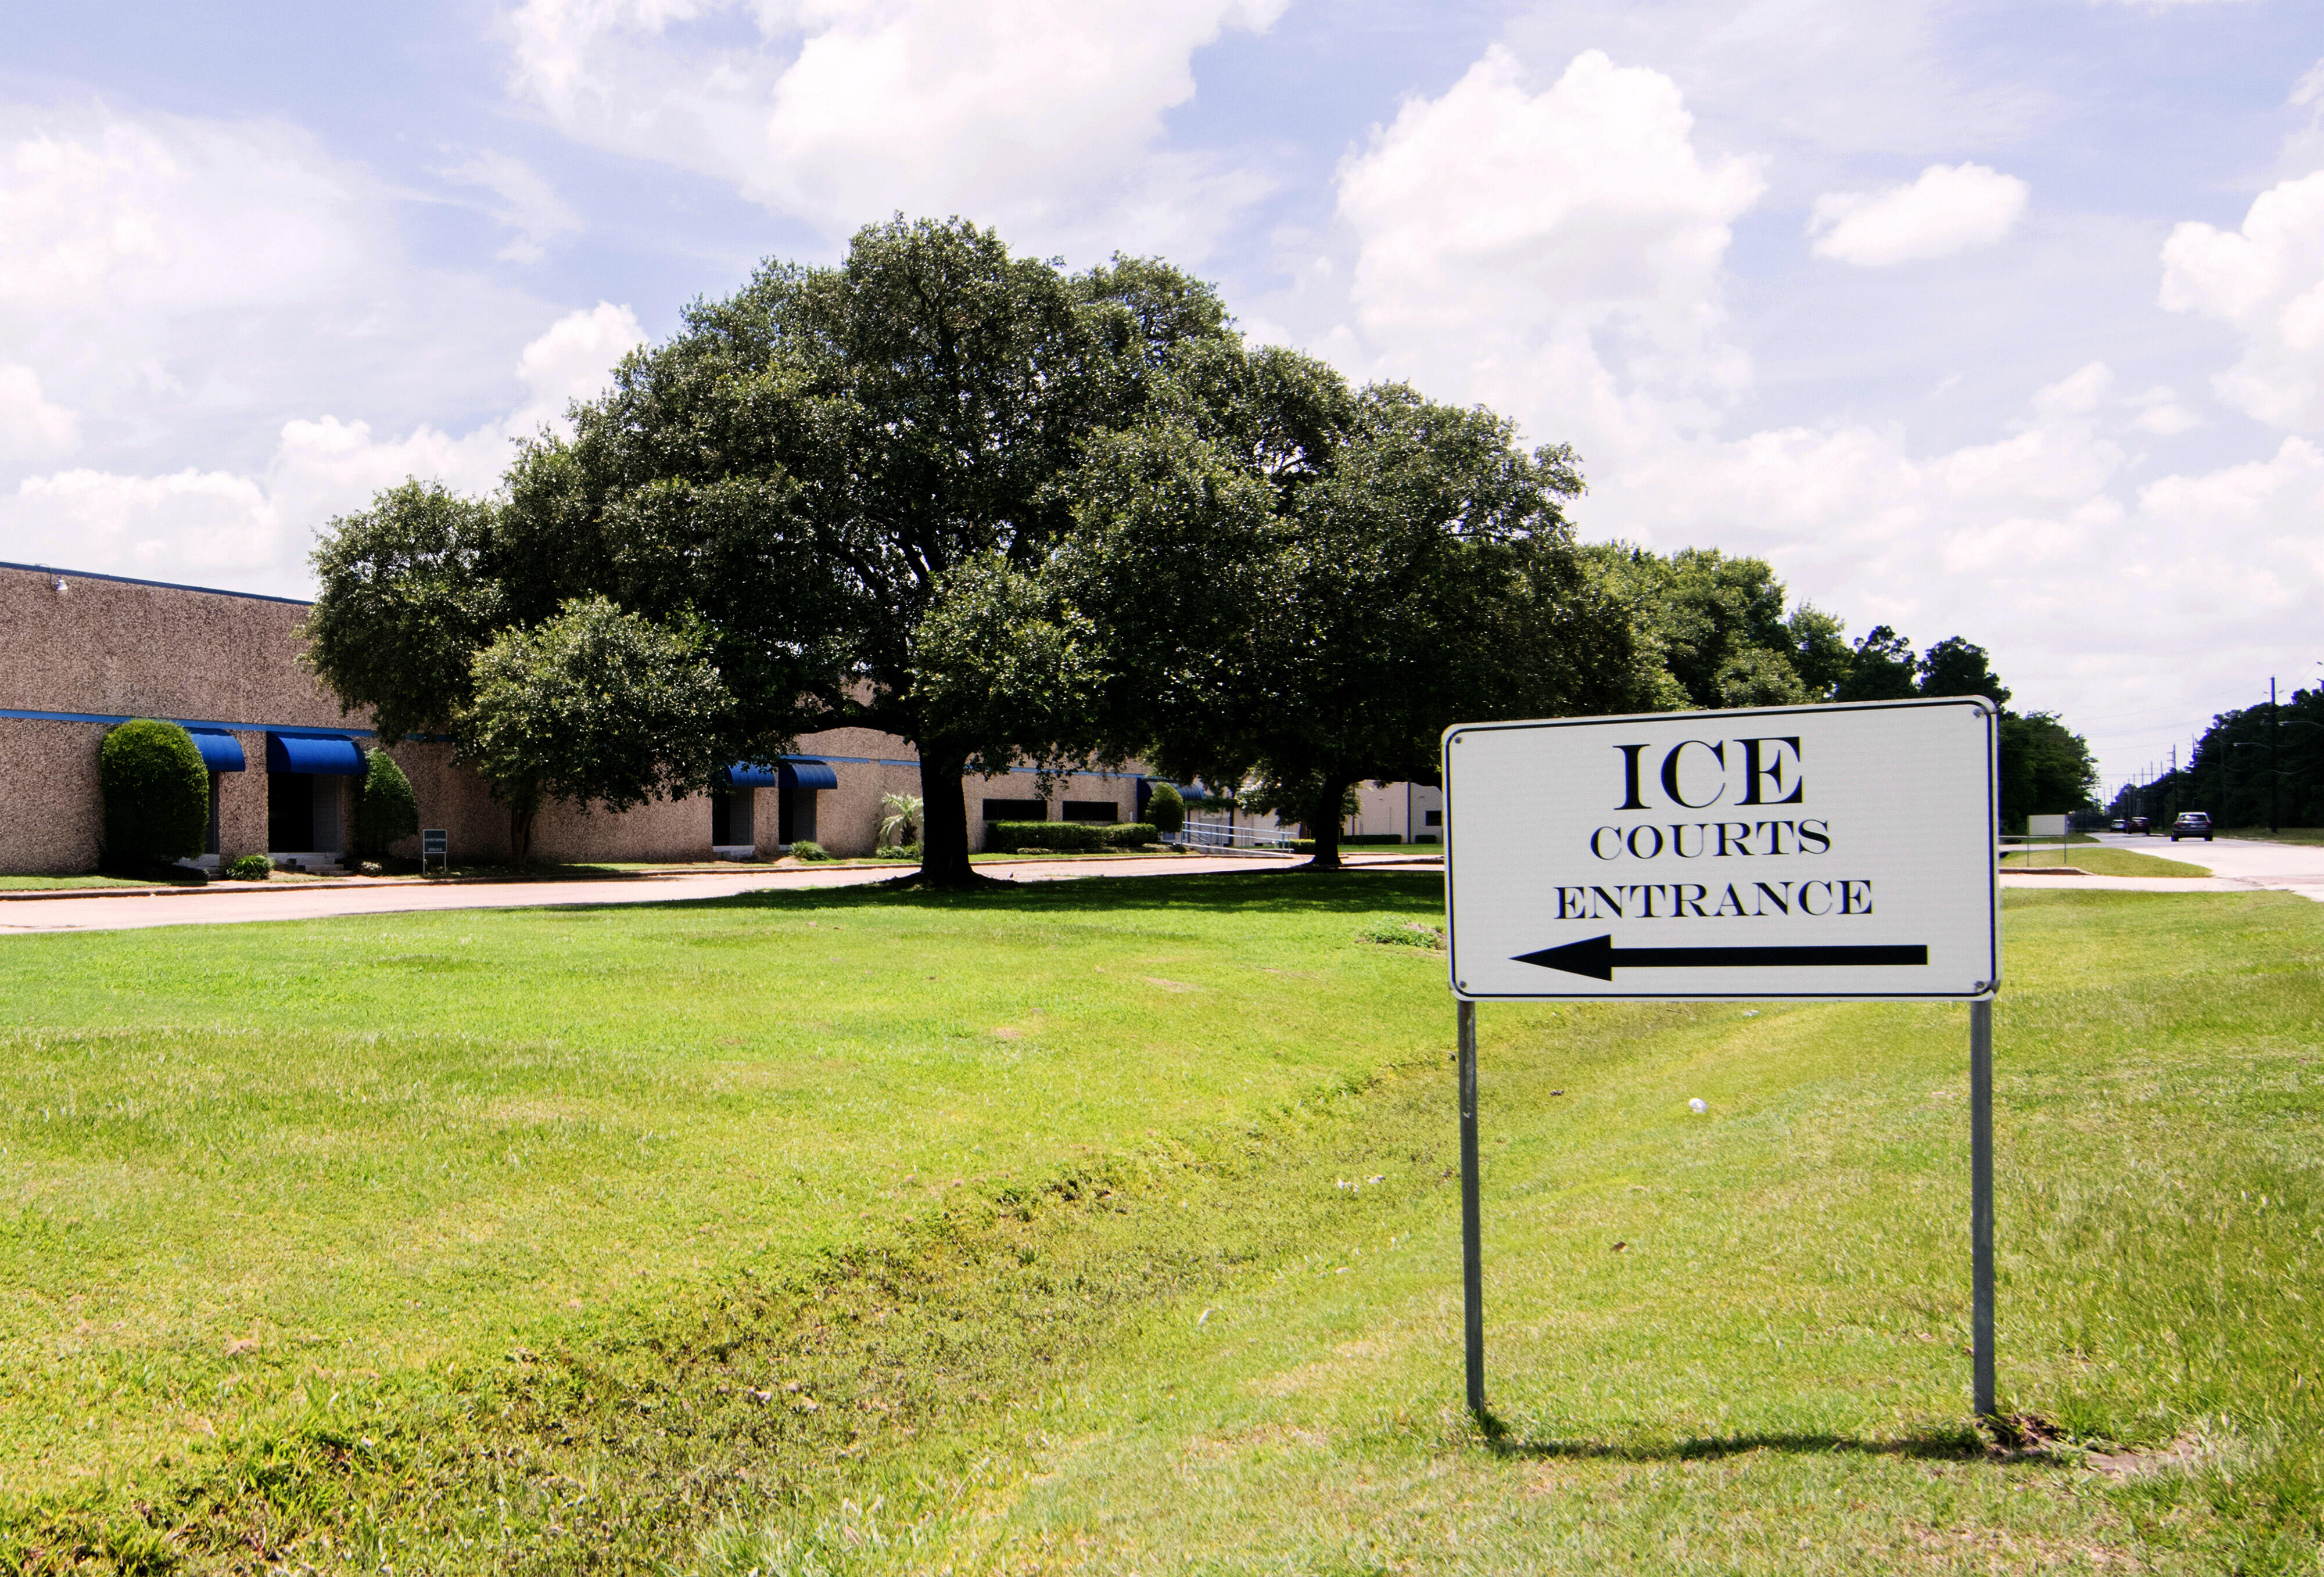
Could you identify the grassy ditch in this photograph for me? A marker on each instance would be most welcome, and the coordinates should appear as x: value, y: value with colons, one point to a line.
x: 1166, y: 1280
x: 2105, y: 862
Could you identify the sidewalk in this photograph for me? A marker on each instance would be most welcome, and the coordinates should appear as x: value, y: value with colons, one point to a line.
x: 99, y: 909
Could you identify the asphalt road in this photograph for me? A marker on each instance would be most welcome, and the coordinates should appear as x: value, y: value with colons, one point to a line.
x: 228, y: 904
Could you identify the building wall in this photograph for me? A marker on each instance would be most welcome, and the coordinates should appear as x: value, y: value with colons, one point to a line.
x: 104, y: 648
x: 48, y: 797
x: 1400, y: 809
x: 131, y: 648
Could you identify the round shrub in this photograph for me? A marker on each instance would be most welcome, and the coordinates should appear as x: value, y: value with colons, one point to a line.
x: 389, y: 810
x: 157, y: 795
x: 1166, y: 809
x: 250, y: 868
x: 806, y: 849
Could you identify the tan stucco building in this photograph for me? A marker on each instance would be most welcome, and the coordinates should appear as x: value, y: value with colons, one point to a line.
x: 80, y: 653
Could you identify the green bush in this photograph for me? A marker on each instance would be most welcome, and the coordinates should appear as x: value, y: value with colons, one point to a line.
x: 250, y: 868
x: 389, y: 809
x: 156, y: 792
x: 806, y: 849
x: 1390, y: 931
x: 1069, y: 837
x: 1166, y: 809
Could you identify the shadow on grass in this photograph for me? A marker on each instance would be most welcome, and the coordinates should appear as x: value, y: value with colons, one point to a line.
x: 1290, y: 891
x: 1965, y: 1444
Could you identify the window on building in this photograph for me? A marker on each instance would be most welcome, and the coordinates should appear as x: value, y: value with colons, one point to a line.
x: 1103, y: 810
x: 1431, y: 818
x: 1016, y: 810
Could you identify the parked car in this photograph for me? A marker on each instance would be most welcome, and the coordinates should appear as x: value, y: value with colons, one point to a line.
x: 2136, y: 823
x: 2192, y: 824
x: 2118, y: 825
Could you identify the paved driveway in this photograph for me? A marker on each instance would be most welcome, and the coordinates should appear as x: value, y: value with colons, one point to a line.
x: 235, y: 904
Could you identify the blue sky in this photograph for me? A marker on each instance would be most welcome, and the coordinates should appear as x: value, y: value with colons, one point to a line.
x: 2000, y: 319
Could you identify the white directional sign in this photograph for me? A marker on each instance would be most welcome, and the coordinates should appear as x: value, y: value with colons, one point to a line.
x: 1839, y: 851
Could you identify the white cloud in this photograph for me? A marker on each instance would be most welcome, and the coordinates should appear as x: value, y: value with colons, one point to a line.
x: 2160, y: 413
x: 2267, y: 279
x: 1949, y: 209
x: 527, y: 203
x: 30, y: 426
x: 1546, y: 250
x: 841, y: 111
x: 2089, y: 589
x: 191, y: 525
x: 252, y: 530
x: 180, y: 286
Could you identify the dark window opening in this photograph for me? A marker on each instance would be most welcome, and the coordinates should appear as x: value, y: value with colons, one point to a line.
x: 210, y: 838
x: 290, y: 812
x: 1104, y: 810
x: 1017, y: 810
x: 1431, y: 818
x: 730, y: 817
x: 794, y: 814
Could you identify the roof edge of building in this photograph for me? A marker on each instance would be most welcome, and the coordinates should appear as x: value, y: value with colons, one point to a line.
x: 213, y: 591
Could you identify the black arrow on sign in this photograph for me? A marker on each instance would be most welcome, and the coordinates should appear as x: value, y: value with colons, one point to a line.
x: 1599, y: 958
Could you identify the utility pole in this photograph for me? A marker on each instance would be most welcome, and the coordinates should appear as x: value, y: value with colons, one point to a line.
x: 2275, y: 764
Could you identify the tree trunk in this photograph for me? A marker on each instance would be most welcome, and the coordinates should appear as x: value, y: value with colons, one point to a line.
x: 520, y: 839
x: 944, y: 817
x: 1323, y: 825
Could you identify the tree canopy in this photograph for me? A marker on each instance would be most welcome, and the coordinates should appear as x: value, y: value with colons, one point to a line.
x: 807, y: 463
x: 1298, y: 585
x: 1006, y: 512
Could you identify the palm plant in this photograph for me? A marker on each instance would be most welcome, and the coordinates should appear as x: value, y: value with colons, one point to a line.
x: 900, y: 826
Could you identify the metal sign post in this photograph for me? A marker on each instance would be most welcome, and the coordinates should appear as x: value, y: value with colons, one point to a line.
x: 1804, y: 853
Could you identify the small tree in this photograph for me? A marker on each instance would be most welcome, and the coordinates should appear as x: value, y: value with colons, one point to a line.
x: 595, y: 704
x: 389, y: 810
x: 156, y: 793
x: 1166, y: 809
x: 900, y: 827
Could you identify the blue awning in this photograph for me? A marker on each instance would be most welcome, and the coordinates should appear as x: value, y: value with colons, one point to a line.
x: 221, y: 752
x: 812, y: 776
x: 333, y: 755
x: 746, y: 775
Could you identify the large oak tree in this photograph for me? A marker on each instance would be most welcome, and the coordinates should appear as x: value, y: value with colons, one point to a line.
x: 805, y: 467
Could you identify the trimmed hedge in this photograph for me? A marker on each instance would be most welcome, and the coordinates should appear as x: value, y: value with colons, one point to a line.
x: 157, y: 795
x: 389, y: 809
x: 1069, y: 837
x: 250, y: 868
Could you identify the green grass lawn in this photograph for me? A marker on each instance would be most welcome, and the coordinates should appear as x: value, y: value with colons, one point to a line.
x: 44, y: 883
x: 2107, y: 862
x: 1113, y: 1227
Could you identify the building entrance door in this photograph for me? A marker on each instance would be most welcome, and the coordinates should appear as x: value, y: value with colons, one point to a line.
x: 290, y: 812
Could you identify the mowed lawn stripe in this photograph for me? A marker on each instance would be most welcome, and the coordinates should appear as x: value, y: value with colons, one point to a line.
x: 367, y: 1144
x: 1229, y: 1341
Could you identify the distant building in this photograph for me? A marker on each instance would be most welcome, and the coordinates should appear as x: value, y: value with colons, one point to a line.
x: 80, y: 653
